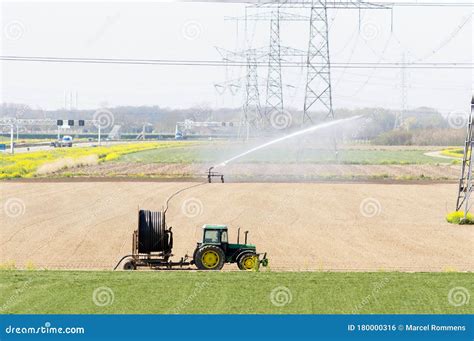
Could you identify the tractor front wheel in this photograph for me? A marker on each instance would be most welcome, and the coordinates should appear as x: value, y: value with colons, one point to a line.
x: 248, y: 261
x: 209, y: 257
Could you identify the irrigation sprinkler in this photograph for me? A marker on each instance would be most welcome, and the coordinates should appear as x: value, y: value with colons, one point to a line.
x: 211, y: 174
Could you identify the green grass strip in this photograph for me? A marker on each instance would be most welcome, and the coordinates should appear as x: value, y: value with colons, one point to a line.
x: 67, y: 292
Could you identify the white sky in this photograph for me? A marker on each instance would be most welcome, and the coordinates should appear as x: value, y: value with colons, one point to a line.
x: 160, y: 30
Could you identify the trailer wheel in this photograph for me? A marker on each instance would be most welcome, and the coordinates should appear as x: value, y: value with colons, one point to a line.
x: 129, y: 265
x: 248, y: 261
x: 209, y: 257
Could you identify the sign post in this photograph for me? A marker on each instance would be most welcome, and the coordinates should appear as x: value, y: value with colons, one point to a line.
x: 99, y: 135
x: 12, y: 148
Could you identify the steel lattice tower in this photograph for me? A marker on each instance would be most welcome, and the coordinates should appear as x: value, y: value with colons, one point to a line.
x: 274, y: 101
x: 318, y: 83
x: 252, y: 114
x: 404, y: 94
x: 465, y: 181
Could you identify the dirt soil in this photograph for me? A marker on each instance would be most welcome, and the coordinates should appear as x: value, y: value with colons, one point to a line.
x: 311, y: 226
x: 273, y: 172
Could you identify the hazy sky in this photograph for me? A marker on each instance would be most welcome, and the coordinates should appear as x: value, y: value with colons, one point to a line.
x: 172, y: 30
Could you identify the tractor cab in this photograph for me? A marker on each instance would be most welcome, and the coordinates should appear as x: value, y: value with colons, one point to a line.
x: 215, y: 234
x: 215, y: 250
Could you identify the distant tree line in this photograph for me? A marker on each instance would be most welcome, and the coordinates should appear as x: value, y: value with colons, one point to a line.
x: 421, y: 126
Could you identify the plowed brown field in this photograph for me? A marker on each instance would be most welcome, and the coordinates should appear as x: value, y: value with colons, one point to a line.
x: 274, y: 172
x: 310, y: 226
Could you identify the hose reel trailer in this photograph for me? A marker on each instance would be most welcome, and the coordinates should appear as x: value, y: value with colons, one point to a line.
x: 152, y: 243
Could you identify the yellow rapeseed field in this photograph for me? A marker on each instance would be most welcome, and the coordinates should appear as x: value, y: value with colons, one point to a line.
x: 453, y: 152
x: 25, y: 165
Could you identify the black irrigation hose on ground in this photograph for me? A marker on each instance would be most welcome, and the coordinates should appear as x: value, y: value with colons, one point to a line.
x: 120, y: 261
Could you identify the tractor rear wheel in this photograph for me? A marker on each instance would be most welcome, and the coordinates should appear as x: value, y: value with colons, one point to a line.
x: 209, y: 257
x: 248, y: 261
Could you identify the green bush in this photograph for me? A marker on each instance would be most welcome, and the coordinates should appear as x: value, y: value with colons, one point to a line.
x: 395, y: 138
x: 458, y: 218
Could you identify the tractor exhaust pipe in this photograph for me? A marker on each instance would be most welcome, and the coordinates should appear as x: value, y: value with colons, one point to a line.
x: 246, y: 234
x: 238, y: 235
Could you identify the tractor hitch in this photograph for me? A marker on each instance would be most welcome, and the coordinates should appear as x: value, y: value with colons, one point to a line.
x: 264, y: 260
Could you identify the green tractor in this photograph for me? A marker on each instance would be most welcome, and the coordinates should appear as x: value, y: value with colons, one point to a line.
x: 215, y: 250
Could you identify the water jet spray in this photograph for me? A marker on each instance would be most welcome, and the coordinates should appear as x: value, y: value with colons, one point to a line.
x: 289, y: 136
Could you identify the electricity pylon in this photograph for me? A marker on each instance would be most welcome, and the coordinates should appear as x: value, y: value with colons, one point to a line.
x: 274, y: 100
x: 404, y: 94
x: 252, y: 113
x: 465, y: 181
x: 318, y: 80
x: 252, y: 116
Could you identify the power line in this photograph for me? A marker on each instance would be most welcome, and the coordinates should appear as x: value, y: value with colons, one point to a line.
x: 219, y: 63
x: 427, y: 4
x: 446, y: 41
x: 369, y: 78
x: 371, y: 4
x: 345, y: 3
x: 412, y: 85
x: 452, y: 85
